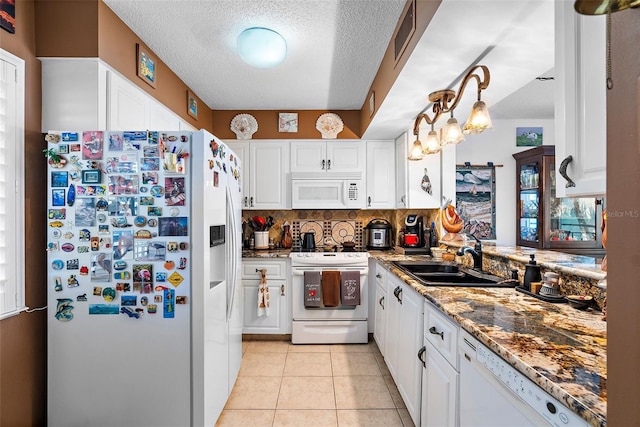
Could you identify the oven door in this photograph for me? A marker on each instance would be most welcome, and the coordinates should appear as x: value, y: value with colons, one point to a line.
x: 300, y: 312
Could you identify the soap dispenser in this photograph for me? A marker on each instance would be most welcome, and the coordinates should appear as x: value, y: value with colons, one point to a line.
x: 531, y: 273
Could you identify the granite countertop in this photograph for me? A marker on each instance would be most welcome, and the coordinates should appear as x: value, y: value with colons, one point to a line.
x: 561, y: 349
x: 269, y: 253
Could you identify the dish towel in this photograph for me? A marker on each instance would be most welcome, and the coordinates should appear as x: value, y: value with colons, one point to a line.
x: 331, y: 288
x: 312, y: 290
x: 350, y: 287
x: 263, y: 295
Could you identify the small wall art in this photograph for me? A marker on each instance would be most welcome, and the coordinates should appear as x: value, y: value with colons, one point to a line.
x: 146, y: 66
x: 528, y: 136
x: 288, y: 122
x: 8, y: 15
x: 192, y: 105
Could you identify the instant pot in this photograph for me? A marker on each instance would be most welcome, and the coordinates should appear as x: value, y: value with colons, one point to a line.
x: 378, y: 234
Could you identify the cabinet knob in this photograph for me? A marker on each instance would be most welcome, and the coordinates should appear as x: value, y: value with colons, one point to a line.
x: 245, y: 202
x: 378, y: 276
x: 402, y: 199
x: 323, y: 163
x: 369, y: 201
x: 251, y: 201
x: 434, y: 331
x: 328, y: 164
x: 381, y: 302
x: 421, y: 352
x: 563, y: 171
x: 281, y: 290
x: 398, y: 294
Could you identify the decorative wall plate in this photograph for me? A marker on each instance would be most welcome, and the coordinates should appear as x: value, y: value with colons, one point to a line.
x: 329, y: 125
x: 244, y: 126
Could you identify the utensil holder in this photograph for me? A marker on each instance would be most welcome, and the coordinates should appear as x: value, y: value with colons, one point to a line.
x: 261, y: 239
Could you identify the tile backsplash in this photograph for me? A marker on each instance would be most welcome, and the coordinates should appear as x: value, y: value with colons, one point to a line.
x: 395, y: 216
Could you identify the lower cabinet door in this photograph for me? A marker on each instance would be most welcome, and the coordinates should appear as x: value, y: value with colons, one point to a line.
x: 439, y: 390
x: 273, y: 323
x: 379, y: 327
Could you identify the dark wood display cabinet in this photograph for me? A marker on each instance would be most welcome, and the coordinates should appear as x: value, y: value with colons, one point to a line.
x: 544, y: 221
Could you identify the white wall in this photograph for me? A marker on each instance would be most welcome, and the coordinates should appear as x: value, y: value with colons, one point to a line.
x: 497, y: 146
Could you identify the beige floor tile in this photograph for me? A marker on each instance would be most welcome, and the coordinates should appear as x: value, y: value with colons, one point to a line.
x: 374, y: 347
x: 369, y: 418
x: 245, y: 345
x: 395, y: 394
x: 246, y: 417
x: 308, y: 365
x: 254, y: 393
x: 306, y: 393
x: 262, y: 364
x: 362, y: 392
x: 406, y: 418
x: 350, y: 348
x: 384, y: 369
x: 305, y: 418
x: 354, y: 364
x: 268, y: 347
x: 309, y: 348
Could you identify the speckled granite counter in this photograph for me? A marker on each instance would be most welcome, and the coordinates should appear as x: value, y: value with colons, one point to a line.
x: 270, y: 253
x: 561, y: 349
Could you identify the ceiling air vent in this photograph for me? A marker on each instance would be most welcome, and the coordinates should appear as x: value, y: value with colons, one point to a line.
x: 405, y: 31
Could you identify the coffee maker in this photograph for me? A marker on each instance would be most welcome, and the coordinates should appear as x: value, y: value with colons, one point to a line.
x: 413, y: 231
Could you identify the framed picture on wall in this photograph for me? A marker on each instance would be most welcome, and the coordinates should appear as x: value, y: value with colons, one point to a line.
x: 528, y: 136
x: 288, y: 122
x: 192, y: 105
x: 8, y: 15
x: 146, y: 66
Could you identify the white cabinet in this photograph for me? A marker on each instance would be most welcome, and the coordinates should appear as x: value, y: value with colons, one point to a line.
x: 418, y: 182
x: 381, y: 175
x: 403, y: 340
x: 379, y: 284
x: 279, y: 319
x: 580, y: 103
x: 265, y: 173
x: 328, y: 156
x: 79, y: 93
x: 441, y: 373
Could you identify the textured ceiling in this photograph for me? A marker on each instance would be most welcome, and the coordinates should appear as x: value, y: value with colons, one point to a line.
x: 335, y: 48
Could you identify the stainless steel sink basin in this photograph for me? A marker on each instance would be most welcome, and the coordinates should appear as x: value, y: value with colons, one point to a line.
x: 441, y: 274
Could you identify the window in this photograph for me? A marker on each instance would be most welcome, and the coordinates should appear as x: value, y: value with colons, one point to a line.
x: 11, y: 184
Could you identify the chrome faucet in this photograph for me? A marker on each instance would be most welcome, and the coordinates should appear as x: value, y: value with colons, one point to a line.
x: 476, y: 253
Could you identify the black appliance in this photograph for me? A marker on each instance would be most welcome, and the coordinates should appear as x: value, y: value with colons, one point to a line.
x: 309, y: 242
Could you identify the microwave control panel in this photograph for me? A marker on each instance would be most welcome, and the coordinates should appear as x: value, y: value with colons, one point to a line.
x: 353, y: 191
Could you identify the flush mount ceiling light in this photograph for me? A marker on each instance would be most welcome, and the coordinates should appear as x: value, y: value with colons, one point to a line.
x: 261, y: 47
x: 445, y: 101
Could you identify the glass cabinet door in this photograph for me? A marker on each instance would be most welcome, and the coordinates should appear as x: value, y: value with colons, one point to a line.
x: 529, y: 202
x: 572, y: 219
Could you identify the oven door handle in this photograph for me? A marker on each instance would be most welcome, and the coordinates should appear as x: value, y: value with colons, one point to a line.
x: 363, y: 271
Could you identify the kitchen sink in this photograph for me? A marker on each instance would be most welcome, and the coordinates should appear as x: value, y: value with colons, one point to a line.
x: 441, y: 274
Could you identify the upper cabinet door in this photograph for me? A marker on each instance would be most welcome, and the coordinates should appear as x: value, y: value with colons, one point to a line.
x: 580, y: 104
x: 308, y: 156
x: 401, y: 172
x: 128, y: 106
x: 328, y: 156
x: 346, y: 156
x: 381, y: 175
x: 269, y: 175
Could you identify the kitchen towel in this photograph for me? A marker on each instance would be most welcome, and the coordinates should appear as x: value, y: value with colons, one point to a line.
x: 312, y: 290
x: 263, y: 295
x: 350, y: 287
x: 331, y: 288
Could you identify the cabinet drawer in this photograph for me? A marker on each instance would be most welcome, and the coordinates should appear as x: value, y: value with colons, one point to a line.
x: 442, y: 332
x: 275, y: 269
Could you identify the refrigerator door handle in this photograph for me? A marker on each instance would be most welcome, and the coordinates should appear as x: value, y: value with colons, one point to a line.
x: 232, y: 249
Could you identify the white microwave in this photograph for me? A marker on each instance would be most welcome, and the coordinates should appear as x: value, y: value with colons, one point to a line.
x: 327, y: 193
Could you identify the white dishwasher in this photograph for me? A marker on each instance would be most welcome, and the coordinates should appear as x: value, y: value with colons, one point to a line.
x: 494, y: 394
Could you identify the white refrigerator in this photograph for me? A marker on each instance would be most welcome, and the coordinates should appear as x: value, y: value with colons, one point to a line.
x: 144, y: 319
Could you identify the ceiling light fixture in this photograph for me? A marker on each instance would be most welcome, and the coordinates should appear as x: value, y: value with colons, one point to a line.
x: 445, y: 101
x: 261, y: 47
